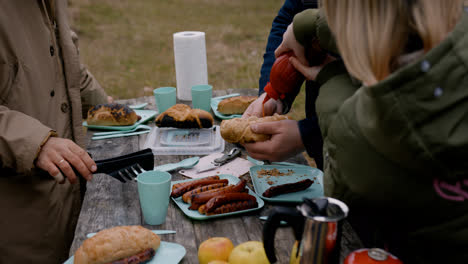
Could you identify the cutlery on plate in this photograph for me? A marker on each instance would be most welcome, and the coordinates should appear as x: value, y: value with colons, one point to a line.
x: 157, y: 232
x: 120, y: 135
x: 221, y: 161
x: 183, y: 164
x: 139, y: 127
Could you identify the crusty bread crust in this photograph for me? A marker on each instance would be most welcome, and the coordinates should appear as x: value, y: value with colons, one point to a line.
x: 235, y: 105
x: 111, y: 115
x: 116, y: 243
x: 237, y: 130
x: 182, y: 116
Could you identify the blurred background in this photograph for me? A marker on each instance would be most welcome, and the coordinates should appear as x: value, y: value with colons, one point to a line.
x: 128, y: 44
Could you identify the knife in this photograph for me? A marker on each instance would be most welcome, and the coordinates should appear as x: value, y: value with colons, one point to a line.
x: 157, y: 232
x: 235, y: 152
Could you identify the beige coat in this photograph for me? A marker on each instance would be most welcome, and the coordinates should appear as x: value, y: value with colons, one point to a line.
x: 41, y: 83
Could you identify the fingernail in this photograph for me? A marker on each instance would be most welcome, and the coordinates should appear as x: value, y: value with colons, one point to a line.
x: 93, y: 168
x: 253, y: 128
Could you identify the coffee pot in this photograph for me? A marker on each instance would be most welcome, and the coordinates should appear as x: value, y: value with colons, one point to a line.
x: 317, y: 225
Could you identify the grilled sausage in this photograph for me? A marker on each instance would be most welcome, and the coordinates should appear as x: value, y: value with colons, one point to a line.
x: 287, y: 188
x: 219, y: 200
x: 185, y: 188
x: 202, y: 208
x: 141, y: 257
x: 177, y: 185
x: 232, y: 207
x: 212, y: 187
x: 201, y: 198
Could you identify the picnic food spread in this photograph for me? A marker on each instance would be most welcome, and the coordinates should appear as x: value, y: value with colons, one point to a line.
x: 212, y: 196
x: 112, y: 114
x: 235, y: 105
x: 182, y: 116
x: 237, y: 130
x: 133, y: 244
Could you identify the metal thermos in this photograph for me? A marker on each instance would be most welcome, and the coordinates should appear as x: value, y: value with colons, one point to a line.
x: 317, y: 225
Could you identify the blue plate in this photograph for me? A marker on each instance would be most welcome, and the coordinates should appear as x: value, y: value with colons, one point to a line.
x: 167, y: 253
x: 291, y: 174
x: 194, y: 214
x: 214, y: 106
x: 145, y: 116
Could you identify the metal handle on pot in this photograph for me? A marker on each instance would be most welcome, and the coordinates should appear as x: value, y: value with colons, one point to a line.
x: 290, y: 215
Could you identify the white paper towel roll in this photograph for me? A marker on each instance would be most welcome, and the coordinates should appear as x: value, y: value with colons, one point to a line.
x: 190, y: 62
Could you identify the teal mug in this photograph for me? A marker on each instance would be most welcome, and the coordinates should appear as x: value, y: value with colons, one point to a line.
x: 165, y: 98
x: 154, y: 191
x: 201, y: 96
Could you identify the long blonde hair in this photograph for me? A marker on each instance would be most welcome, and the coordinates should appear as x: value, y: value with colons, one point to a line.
x: 372, y: 34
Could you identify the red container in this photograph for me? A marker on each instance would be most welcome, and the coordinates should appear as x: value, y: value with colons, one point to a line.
x: 284, y: 78
x: 371, y: 256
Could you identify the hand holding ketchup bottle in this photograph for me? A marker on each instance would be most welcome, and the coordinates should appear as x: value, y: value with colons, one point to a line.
x: 284, y: 78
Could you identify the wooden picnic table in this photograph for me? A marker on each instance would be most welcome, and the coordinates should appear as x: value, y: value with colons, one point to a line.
x: 110, y: 203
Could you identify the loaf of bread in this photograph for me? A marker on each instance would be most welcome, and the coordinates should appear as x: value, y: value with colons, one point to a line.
x: 237, y: 130
x: 235, y: 105
x: 182, y: 116
x: 116, y: 243
x: 111, y: 115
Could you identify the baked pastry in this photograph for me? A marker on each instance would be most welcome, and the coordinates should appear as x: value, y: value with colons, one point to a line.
x: 112, y: 114
x: 115, y: 244
x: 237, y: 130
x: 182, y: 116
x: 235, y: 105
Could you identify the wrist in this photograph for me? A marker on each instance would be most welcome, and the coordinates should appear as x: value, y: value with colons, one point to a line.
x: 52, y: 133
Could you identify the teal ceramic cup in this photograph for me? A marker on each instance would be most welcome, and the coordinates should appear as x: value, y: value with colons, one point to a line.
x: 165, y: 97
x: 201, y: 96
x: 154, y: 190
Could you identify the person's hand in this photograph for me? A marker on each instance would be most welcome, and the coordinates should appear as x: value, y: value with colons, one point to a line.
x: 285, y: 141
x: 310, y: 73
x: 271, y: 106
x: 60, y: 155
x: 290, y: 43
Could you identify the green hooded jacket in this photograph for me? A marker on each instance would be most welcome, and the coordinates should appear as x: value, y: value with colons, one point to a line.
x: 397, y: 152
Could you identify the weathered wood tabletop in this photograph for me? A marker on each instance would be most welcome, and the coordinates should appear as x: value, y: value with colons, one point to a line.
x: 110, y: 203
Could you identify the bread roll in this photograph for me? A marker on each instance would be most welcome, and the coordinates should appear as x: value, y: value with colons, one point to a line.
x: 116, y: 243
x: 182, y: 116
x: 235, y: 105
x: 111, y: 115
x: 237, y: 130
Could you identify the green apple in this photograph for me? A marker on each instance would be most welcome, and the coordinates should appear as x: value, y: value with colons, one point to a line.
x: 251, y: 252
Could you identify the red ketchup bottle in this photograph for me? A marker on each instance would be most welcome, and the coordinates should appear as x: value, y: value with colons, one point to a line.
x: 284, y: 78
x: 371, y: 256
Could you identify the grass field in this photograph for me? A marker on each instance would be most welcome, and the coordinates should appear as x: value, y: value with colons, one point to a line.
x: 128, y: 44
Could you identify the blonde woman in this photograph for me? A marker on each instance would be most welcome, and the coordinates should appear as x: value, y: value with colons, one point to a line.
x: 393, y: 110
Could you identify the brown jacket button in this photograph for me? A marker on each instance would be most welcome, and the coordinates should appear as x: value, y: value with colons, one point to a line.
x: 64, y: 107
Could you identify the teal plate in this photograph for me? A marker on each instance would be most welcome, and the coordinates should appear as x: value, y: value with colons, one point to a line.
x: 167, y: 253
x: 292, y: 174
x: 214, y: 106
x: 145, y: 116
x: 194, y: 214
